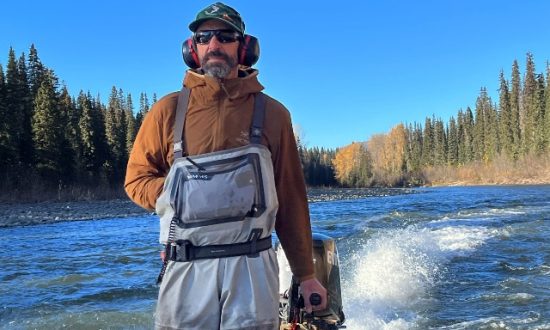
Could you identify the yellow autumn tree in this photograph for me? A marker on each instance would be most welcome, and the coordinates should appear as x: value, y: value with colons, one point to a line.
x: 387, y: 152
x: 351, y: 165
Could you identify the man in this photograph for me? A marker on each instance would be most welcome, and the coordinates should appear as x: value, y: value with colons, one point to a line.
x: 236, y: 177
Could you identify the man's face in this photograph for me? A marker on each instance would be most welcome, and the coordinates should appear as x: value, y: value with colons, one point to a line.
x: 219, y: 58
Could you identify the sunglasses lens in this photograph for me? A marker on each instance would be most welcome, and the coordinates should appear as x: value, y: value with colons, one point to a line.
x: 203, y: 37
x: 223, y: 36
x: 226, y: 36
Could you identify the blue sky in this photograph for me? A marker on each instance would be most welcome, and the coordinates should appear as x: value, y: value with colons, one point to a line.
x: 345, y: 69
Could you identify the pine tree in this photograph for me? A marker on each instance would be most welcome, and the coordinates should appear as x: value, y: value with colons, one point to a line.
x: 143, y: 109
x: 115, y: 132
x: 100, y: 140
x: 505, y: 119
x: 47, y: 129
x: 540, y: 106
x: 492, y: 146
x: 479, y: 125
x: 452, y: 138
x: 469, y: 135
x: 515, y: 121
x: 4, y: 129
x: 25, y: 144
x: 71, y: 135
x: 440, y: 143
x: 36, y: 71
x: 111, y: 130
x: 529, y: 105
x: 122, y: 132
x: 416, y: 148
x: 131, y: 124
x: 14, y: 109
x: 428, y: 144
x: 88, y: 152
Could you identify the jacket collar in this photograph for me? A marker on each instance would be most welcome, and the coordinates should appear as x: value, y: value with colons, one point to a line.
x: 209, y: 88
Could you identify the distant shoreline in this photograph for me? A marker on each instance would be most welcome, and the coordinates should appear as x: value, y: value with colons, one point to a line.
x: 24, y: 214
x: 467, y: 183
x: 45, y: 212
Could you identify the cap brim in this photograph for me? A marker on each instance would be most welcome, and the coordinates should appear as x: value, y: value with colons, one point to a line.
x: 195, y: 24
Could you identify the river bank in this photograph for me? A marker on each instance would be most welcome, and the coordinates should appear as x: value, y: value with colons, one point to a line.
x: 26, y: 213
x: 21, y: 214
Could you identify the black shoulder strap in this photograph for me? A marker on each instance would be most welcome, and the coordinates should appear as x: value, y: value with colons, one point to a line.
x: 257, y: 119
x: 181, y: 110
x: 256, y: 127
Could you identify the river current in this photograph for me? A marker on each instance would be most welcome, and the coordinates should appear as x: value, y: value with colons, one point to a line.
x: 427, y: 258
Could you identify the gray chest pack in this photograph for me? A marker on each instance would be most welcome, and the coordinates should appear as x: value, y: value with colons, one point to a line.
x: 219, y: 204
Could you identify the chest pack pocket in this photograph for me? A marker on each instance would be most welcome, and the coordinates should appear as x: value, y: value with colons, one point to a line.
x: 219, y: 191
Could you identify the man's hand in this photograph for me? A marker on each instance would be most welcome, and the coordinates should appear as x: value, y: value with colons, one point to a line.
x: 309, y: 287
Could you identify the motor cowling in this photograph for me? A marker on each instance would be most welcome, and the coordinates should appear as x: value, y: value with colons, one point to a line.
x: 327, y: 271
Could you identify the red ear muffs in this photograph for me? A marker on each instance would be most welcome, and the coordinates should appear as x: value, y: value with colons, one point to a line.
x: 190, y: 56
x: 249, y: 52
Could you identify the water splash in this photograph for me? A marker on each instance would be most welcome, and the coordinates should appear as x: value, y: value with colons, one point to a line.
x: 391, y: 275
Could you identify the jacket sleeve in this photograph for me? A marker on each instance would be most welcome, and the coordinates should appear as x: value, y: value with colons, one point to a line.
x: 148, y: 163
x: 292, y: 223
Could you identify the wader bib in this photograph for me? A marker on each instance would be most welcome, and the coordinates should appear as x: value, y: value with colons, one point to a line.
x: 217, y: 212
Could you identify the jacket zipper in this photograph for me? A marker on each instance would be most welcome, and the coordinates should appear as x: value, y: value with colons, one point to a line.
x: 221, y: 112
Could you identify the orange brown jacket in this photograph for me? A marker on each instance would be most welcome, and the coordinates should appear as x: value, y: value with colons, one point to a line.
x: 218, y: 117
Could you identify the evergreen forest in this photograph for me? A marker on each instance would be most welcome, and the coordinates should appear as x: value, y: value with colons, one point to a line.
x: 56, y: 145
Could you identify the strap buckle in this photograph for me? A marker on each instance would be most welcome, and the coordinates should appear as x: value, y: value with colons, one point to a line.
x: 252, y: 239
x: 184, y: 250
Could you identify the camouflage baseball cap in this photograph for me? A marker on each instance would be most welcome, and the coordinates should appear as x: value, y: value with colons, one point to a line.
x: 220, y: 12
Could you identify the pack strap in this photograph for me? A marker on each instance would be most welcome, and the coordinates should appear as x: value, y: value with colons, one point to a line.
x: 256, y: 127
x: 183, y: 250
x: 258, y: 119
x: 181, y: 110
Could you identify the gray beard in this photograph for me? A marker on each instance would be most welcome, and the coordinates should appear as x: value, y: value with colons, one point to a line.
x: 217, y: 70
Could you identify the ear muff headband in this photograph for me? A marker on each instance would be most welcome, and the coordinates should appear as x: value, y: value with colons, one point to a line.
x: 249, y: 52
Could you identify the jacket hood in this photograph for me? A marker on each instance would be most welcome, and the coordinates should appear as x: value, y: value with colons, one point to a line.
x: 210, y: 88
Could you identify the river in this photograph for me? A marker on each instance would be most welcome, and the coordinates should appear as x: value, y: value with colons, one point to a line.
x: 426, y: 258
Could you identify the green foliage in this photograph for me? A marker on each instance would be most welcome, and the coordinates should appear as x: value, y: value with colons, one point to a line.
x: 505, y: 119
x: 15, y: 108
x: 25, y: 144
x: 539, y: 120
x: 452, y: 143
x: 317, y: 166
x: 529, y: 102
x: 428, y: 144
x: 515, y: 124
x: 440, y: 143
x: 47, y: 135
x: 48, y: 132
x: 4, y: 124
x: 131, y: 130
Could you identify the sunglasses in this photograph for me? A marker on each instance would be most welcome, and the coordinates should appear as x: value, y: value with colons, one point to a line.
x: 223, y: 36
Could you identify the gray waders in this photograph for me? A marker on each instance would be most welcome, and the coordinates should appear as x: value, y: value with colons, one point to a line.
x: 217, y: 212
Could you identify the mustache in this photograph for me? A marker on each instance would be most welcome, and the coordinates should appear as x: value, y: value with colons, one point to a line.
x: 217, y: 53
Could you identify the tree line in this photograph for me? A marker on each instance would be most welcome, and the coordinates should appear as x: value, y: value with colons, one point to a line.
x: 52, y: 141
x: 500, y: 134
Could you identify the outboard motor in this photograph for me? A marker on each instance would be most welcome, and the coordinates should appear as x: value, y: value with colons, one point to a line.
x: 292, y: 313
